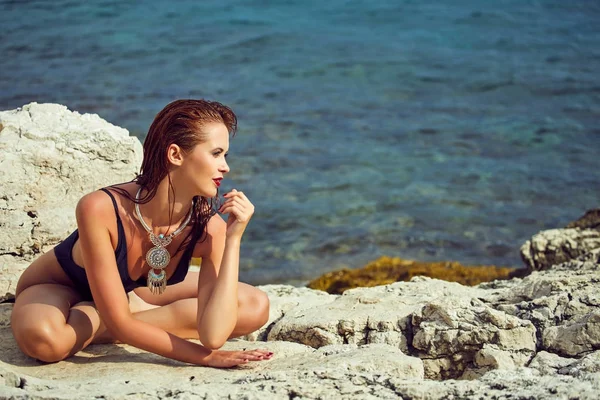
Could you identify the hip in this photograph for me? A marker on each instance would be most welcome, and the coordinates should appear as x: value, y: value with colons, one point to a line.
x: 44, y: 269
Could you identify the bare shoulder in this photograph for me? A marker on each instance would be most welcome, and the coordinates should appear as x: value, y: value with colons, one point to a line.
x: 94, y: 206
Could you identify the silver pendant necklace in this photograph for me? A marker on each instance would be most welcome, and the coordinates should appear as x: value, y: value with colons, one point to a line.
x: 158, y: 257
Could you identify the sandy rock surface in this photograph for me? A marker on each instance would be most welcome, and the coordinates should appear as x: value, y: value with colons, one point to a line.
x: 409, y: 339
x: 347, y: 371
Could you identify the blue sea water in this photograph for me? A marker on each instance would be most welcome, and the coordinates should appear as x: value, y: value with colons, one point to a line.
x: 432, y: 130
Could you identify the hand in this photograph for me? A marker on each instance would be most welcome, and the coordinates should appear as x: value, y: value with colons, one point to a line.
x: 228, y: 359
x: 240, y: 210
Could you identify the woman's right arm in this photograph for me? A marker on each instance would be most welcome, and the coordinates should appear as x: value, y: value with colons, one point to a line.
x: 93, y: 211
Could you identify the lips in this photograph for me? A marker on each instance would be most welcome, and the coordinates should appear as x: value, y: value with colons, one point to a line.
x: 217, y: 181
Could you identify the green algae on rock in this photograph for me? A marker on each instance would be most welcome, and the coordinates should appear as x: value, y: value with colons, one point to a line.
x: 386, y: 270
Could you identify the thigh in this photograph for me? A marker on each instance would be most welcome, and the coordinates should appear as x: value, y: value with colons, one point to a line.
x: 44, y: 269
x: 180, y: 316
x: 188, y: 288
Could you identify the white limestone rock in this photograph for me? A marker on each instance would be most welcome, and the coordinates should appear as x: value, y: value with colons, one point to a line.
x: 444, y: 323
x: 522, y: 383
x: 111, y: 376
x: 117, y: 371
x: 588, y: 364
x: 556, y: 246
x: 365, y: 315
x: 464, y: 326
x: 550, y: 363
x: 50, y: 157
x: 462, y: 336
x: 284, y: 298
x: 575, y: 337
x: 11, y: 268
x: 562, y: 303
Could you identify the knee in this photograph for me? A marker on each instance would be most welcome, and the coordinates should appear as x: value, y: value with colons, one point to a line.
x: 262, y: 305
x: 41, y: 342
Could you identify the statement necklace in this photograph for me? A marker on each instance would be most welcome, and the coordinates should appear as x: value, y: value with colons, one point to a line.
x: 158, y: 257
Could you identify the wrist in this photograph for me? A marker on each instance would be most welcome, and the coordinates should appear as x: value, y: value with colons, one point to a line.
x: 233, y: 240
x: 207, y: 355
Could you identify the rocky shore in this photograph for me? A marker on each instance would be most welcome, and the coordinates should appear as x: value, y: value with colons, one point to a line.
x: 530, y: 337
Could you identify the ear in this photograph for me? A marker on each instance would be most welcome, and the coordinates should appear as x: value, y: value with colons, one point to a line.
x: 175, y: 154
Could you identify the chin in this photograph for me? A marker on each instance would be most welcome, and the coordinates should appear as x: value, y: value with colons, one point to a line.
x: 208, y: 193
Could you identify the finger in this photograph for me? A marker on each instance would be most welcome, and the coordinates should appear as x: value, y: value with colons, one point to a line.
x: 262, y: 355
x: 243, y: 196
x: 238, y: 213
x: 261, y: 351
x: 228, y: 209
x: 245, y: 206
x: 230, y: 206
x: 233, y: 191
x: 256, y: 353
x: 237, y: 201
x: 253, y: 357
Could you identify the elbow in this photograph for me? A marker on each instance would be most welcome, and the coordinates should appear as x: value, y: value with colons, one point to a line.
x: 210, y: 338
x: 211, y: 341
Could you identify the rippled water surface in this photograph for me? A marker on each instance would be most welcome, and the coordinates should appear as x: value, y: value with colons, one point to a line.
x: 431, y: 130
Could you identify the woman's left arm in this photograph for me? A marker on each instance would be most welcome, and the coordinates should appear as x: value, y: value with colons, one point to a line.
x: 218, y: 278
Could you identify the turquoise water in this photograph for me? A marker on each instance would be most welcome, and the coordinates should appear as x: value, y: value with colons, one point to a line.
x: 440, y: 130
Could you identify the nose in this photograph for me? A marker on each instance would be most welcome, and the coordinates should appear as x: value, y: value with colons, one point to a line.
x: 224, y: 168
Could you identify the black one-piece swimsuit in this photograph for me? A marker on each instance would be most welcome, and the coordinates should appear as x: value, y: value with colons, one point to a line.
x: 64, y: 255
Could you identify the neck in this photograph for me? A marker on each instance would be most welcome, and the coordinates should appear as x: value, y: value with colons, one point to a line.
x: 163, y: 205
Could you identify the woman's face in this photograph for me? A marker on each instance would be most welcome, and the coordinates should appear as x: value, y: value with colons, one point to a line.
x: 205, y: 166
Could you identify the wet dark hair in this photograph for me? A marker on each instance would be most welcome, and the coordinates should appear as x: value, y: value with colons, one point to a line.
x: 180, y: 123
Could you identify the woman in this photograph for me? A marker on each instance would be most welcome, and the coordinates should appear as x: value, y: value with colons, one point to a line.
x: 122, y: 276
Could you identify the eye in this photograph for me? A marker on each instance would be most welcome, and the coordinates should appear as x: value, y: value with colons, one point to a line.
x: 217, y: 153
x: 226, y: 154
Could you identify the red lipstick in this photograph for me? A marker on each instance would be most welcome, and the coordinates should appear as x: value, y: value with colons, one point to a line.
x: 217, y: 181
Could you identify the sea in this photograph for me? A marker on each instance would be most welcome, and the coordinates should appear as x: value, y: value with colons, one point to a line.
x: 430, y: 130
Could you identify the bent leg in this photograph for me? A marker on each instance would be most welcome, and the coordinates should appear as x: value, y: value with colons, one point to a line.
x: 180, y: 316
x: 50, y: 323
x: 253, y: 310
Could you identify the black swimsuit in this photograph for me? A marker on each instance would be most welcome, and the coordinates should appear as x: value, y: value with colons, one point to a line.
x: 64, y: 255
